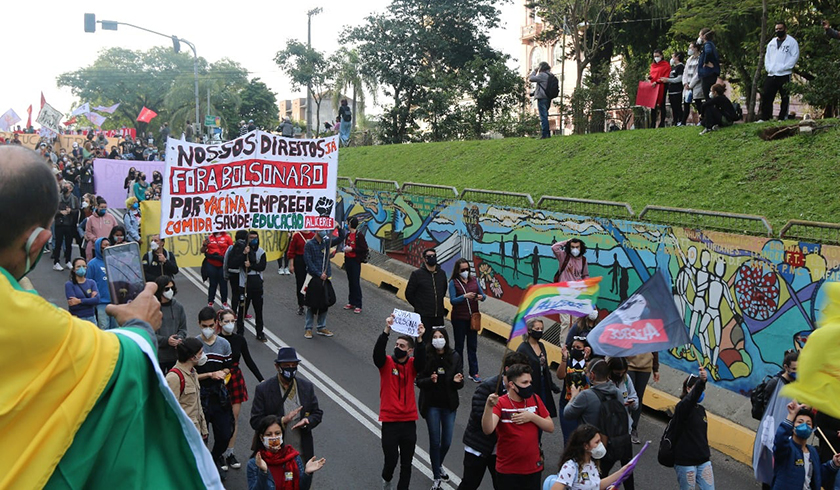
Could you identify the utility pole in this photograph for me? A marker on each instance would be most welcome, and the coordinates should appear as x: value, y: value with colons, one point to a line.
x: 309, y: 15
x: 563, y: 77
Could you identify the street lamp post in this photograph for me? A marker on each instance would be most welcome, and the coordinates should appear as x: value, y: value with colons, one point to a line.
x: 309, y: 15
x: 111, y: 25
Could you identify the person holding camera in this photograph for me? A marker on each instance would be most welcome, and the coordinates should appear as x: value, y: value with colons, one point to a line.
x: 173, y: 329
x: 541, y: 376
x: 572, y: 370
x: 540, y: 76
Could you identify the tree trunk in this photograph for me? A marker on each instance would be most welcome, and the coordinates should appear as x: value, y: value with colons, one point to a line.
x: 354, y: 106
x: 761, y: 48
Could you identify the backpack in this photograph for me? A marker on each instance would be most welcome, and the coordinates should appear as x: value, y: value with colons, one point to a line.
x: 614, y: 424
x: 758, y: 398
x: 739, y: 113
x: 666, y: 456
x: 552, y: 88
x: 181, y: 377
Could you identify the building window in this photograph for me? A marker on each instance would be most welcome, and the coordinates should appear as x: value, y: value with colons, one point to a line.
x: 537, y: 57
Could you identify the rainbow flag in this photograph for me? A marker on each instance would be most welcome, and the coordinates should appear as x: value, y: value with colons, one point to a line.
x: 576, y: 298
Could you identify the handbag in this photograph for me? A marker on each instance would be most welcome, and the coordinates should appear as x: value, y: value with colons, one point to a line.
x: 475, y: 318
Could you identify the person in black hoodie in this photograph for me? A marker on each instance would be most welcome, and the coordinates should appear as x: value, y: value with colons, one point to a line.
x: 173, y: 329
x: 675, y: 87
x: 542, y: 377
x: 439, y: 382
x: 479, y: 448
x: 718, y: 111
x: 425, y: 292
x: 691, y: 446
x: 66, y: 220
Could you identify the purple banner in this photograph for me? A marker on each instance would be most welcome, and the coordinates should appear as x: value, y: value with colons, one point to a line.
x: 109, y: 178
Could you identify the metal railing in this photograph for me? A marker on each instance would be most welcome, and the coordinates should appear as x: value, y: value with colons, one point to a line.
x: 377, y: 185
x: 586, y: 207
x: 507, y: 199
x: 747, y: 224
x: 344, y: 182
x: 441, y: 191
x: 811, y: 231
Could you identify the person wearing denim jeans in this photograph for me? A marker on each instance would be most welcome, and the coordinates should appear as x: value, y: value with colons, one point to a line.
x: 464, y: 293
x: 214, y: 248
x: 439, y: 382
x: 540, y: 77
x: 691, y: 447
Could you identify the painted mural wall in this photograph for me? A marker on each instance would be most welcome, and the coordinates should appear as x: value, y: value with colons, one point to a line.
x: 745, y: 299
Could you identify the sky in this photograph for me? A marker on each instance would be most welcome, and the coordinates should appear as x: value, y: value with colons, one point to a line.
x: 48, y: 38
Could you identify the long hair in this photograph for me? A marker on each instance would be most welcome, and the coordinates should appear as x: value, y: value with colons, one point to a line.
x: 431, y: 352
x: 530, y: 324
x: 263, y: 425
x: 73, y: 271
x: 456, y: 269
x: 575, y: 450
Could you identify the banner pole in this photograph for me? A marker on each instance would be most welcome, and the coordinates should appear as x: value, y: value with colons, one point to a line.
x: 826, y: 440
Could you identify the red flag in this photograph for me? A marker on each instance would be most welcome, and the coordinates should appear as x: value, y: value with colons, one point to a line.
x: 146, y: 115
x: 29, y: 119
x: 43, y: 100
x: 71, y: 121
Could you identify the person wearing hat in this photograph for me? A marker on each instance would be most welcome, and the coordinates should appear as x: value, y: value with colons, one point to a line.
x: 251, y: 125
x: 183, y: 381
x: 132, y: 219
x: 292, y: 399
x: 243, y: 128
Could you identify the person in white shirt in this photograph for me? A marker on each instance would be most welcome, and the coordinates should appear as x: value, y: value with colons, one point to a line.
x: 579, y: 463
x: 779, y: 60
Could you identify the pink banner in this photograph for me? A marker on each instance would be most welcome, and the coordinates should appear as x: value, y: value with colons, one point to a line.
x: 109, y: 178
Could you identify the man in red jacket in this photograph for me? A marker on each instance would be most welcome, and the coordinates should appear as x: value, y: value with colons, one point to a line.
x: 397, y: 405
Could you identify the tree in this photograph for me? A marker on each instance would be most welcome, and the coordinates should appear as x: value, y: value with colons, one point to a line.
x: 348, y: 74
x: 260, y: 104
x: 498, y: 94
x: 305, y: 67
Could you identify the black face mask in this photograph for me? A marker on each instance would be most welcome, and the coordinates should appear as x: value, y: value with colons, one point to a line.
x: 288, y: 372
x: 431, y: 260
x: 535, y: 334
x: 399, y: 354
x: 615, y: 377
x: 524, y: 391
x: 780, y: 34
x: 576, y: 354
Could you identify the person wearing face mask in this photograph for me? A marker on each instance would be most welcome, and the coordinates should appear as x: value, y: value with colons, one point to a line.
x: 182, y: 379
x: 439, y: 382
x: 128, y: 184
x: 215, y: 400
x: 464, y: 293
x: 86, y: 176
x: 579, y: 464
x: 785, y: 376
x: 158, y: 261
x: 709, y: 62
x: 293, y: 399
x: 96, y: 272
x: 572, y: 370
x: 425, y: 291
x: 140, y: 187
x: 518, y: 418
x: 780, y: 57
x: 214, y: 247
x: 355, y: 251
x: 571, y: 257
x: 131, y: 218
x: 315, y: 256
x: 674, y: 83
x: 275, y: 464
x: 397, y: 404
x: 542, y: 380
x: 251, y: 282
x: 581, y: 328
x: 660, y: 68
x: 796, y: 464
x: 173, y: 330
x: 693, y: 89
x: 618, y: 376
x: 85, y: 211
x: 66, y: 220
x: 82, y: 293
x: 237, y: 389
x: 99, y: 225
x: 691, y: 444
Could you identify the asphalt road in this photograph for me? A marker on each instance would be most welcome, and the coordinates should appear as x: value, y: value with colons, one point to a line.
x: 347, y: 387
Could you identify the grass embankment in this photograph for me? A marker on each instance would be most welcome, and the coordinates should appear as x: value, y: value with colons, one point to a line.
x: 730, y: 170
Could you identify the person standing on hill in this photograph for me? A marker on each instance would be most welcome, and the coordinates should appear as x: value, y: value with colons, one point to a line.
x: 659, y: 69
x: 780, y: 58
x: 709, y: 68
x: 541, y: 76
x: 675, y: 86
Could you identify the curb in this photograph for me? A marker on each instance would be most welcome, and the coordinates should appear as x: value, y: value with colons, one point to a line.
x: 724, y: 435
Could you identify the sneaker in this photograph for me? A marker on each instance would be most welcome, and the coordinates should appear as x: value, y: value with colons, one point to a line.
x: 348, y: 306
x: 357, y: 310
x: 436, y: 485
x: 307, y: 334
x: 280, y: 272
x: 248, y: 316
x: 286, y: 271
x: 225, y: 306
x: 634, y: 437
x: 210, y: 304
x: 57, y: 267
x: 476, y: 378
x: 69, y: 265
x: 386, y: 485
x: 444, y: 475
x: 760, y: 121
x: 323, y: 332
x: 223, y: 464
x: 233, y: 462
x: 705, y: 131
x: 715, y: 127
x: 300, y: 310
x: 261, y: 337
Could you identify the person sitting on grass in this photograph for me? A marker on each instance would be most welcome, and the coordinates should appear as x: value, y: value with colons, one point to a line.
x: 718, y: 111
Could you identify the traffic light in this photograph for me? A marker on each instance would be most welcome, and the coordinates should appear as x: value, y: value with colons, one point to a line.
x: 90, y: 22
x: 176, y: 43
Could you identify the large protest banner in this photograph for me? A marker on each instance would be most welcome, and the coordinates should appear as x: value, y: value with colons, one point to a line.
x: 257, y: 181
x: 187, y: 248
x: 109, y: 178
x: 62, y: 141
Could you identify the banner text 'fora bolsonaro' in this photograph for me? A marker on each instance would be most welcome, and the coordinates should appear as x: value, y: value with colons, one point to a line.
x: 257, y: 181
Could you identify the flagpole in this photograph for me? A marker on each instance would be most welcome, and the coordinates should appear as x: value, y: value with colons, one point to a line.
x: 826, y: 440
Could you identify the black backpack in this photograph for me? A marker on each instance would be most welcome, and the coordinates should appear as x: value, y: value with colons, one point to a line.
x: 552, y: 88
x: 758, y: 398
x: 613, y: 422
x: 739, y: 113
x: 665, y: 456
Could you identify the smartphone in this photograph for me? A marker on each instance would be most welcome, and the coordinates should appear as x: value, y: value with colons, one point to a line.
x: 125, y: 272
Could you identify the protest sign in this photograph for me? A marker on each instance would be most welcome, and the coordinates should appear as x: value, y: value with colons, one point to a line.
x: 257, y: 181
x: 406, y: 322
x: 187, y: 248
x: 631, y: 466
x: 9, y: 119
x: 61, y: 141
x: 49, y: 118
x: 109, y: 178
x: 647, y: 94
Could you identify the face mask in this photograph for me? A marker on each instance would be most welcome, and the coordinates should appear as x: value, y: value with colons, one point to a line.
x: 208, y: 332
x: 535, y: 334
x: 120, y: 239
x: 803, y: 431
x: 399, y: 354
x: 599, y: 451
x: 780, y: 34
x: 28, y: 249
x: 524, y: 392
x: 616, y: 378
x: 593, y: 316
x: 691, y: 52
x: 792, y: 376
x: 85, y: 205
x: 66, y: 190
x: 100, y: 212
x: 702, y: 397
x: 673, y: 63
x: 81, y: 271
x: 169, y: 294
x: 657, y: 59
x: 135, y: 206
x: 465, y: 275
x: 288, y: 372
x: 575, y: 252
x: 202, y: 360
x: 153, y: 246
x: 576, y: 354
x: 273, y: 443
x: 228, y: 327
x: 438, y: 343
x: 699, y: 40
x: 255, y: 243
x: 431, y: 260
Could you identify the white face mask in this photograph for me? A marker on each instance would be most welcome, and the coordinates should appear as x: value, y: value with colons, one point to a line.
x: 691, y: 52
x: 202, y: 360
x: 465, y: 275
x: 153, y: 246
x: 593, y: 315
x: 228, y: 327
x: 273, y: 443
x: 208, y: 332
x: 599, y: 451
x: 575, y: 252
x: 438, y: 343
x: 657, y: 59
x: 699, y: 40
x: 169, y: 294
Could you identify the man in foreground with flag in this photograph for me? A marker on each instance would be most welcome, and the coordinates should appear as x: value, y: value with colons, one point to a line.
x: 80, y: 407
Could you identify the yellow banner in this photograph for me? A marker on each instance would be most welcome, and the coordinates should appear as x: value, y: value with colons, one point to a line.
x: 62, y: 141
x: 187, y: 248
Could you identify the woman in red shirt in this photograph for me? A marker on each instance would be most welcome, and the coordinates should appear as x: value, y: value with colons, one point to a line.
x: 296, y: 264
x: 355, y: 251
x: 660, y: 68
x: 214, y: 248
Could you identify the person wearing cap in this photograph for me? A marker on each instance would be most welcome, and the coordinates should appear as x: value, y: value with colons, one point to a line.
x: 292, y: 399
x: 183, y: 381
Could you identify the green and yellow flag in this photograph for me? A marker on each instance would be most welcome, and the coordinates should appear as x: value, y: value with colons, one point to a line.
x: 818, y: 371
